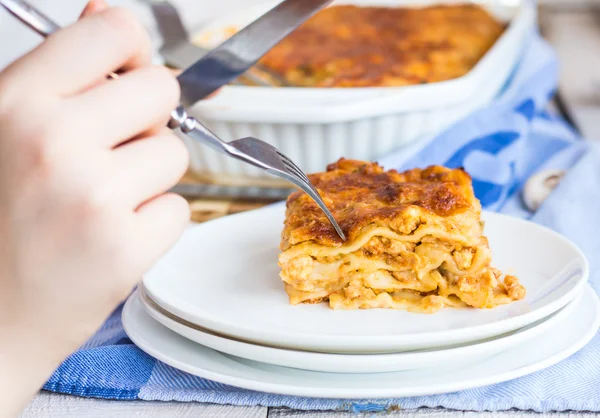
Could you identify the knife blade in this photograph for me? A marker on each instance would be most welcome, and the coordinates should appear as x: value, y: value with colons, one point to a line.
x: 240, y: 52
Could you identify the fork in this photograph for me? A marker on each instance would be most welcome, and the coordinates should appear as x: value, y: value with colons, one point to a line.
x: 179, y: 52
x: 255, y: 152
x: 250, y: 150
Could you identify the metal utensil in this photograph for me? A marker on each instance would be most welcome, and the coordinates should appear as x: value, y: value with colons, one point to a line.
x: 560, y: 104
x: 257, y: 153
x: 32, y: 17
x: 179, y: 52
x: 232, y: 58
x: 176, y: 49
x: 565, y: 111
x: 217, y: 191
x: 243, y: 50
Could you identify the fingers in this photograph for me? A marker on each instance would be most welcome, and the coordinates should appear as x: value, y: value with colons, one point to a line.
x: 135, y: 102
x: 147, y: 168
x: 74, y: 58
x: 94, y: 6
x: 158, y: 224
x: 146, y: 235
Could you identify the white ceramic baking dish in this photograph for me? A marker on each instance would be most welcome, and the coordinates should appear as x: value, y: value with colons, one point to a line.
x: 315, y: 126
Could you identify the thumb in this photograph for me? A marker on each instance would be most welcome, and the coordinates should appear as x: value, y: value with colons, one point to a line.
x: 94, y: 6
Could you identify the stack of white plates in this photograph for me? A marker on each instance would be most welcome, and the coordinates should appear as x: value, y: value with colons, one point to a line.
x: 215, y: 307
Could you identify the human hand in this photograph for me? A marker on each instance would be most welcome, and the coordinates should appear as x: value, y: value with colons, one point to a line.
x: 84, y: 166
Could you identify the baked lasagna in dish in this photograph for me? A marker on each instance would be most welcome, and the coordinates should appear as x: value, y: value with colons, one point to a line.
x: 353, y: 46
x: 414, y: 241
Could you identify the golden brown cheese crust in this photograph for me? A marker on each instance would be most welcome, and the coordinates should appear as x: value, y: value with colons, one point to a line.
x: 415, y: 241
x: 360, y: 193
x: 352, y: 46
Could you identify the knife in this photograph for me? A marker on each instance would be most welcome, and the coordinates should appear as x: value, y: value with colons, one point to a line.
x: 240, y: 52
x: 178, y: 52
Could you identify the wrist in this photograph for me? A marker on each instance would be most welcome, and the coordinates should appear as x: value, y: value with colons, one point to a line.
x: 27, y: 359
x: 23, y: 371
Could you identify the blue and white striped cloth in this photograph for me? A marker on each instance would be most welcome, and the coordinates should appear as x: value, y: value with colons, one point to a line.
x: 500, y: 146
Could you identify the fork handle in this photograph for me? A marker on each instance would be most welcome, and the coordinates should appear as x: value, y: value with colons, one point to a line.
x: 35, y: 19
x: 195, y: 130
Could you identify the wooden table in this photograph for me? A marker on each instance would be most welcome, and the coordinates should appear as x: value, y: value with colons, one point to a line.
x: 52, y: 405
x: 573, y: 27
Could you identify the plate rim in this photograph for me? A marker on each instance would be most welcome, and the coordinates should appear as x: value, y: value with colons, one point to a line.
x: 351, y: 393
x: 380, y: 342
x: 496, y: 344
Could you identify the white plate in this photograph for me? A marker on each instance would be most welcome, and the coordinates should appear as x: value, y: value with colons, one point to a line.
x: 223, y: 275
x: 561, y: 341
x: 455, y: 357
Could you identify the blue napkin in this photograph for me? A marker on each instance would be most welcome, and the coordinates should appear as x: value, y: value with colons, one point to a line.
x: 500, y: 146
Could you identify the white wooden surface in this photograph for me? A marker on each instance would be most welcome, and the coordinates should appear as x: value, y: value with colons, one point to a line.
x: 569, y: 24
x: 61, y: 406
x: 422, y: 413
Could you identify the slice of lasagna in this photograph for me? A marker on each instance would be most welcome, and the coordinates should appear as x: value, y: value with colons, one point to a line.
x: 414, y: 241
